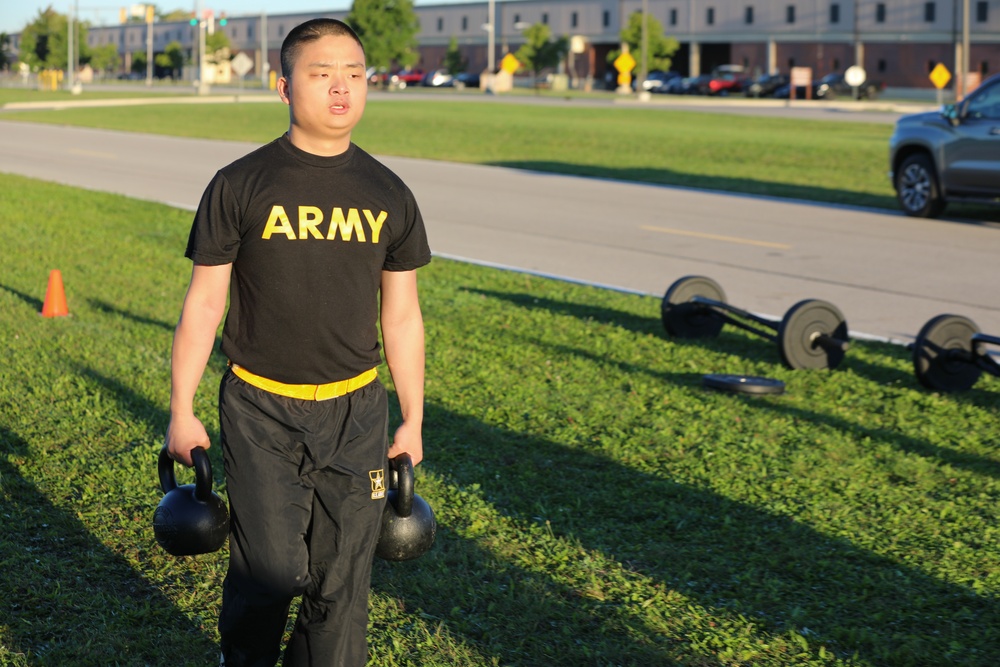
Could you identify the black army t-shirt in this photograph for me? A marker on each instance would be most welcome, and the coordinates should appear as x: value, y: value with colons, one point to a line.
x: 309, y: 237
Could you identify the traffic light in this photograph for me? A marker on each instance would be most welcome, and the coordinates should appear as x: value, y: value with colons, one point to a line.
x: 194, y: 19
x: 222, y: 19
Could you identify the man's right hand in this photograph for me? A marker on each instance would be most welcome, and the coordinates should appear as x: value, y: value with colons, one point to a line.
x: 184, y: 434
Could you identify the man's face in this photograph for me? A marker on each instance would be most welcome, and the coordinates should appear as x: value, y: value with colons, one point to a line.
x: 326, y: 93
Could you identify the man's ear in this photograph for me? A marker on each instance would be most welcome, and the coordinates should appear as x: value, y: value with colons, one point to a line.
x: 283, y: 90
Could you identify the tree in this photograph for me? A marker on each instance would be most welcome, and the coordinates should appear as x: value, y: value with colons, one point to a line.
x: 388, y: 29
x: 44, y: 41
x: 105, y: 58
x: 216, y: 47
x: 540, y: 51
x: 660, y: 49
x: 139, y: 62
x: 171, y: 60
x: 5, y: 56
x: 453, y: 60
x: 176, y: 15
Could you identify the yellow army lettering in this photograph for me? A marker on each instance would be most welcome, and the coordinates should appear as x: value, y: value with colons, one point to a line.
x: 310, y: 218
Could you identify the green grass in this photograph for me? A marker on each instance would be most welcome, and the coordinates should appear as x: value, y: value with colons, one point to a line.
x: 596, y: 505
x: 837, y: 162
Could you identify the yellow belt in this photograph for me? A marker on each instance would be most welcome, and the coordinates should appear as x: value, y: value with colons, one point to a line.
x: 306, y: 392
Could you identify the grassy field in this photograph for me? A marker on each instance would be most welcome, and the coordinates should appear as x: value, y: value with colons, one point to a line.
x: 596, y: 505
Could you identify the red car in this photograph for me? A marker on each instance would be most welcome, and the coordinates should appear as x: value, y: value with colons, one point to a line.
x: 408, y: 77
x: 726, y: 79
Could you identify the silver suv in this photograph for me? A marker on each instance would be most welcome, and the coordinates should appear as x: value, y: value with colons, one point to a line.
x: 951, y: 155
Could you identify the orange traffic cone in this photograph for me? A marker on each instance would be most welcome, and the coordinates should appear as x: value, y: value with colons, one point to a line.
x: 55, y: 296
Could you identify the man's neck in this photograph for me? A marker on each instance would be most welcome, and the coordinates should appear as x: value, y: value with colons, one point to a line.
x: 320, y: 147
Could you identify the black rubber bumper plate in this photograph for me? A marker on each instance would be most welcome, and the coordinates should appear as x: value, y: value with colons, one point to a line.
x: 744, y: 384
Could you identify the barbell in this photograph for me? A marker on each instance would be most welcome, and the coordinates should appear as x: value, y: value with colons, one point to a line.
x: 949, y: 354
x: 812, y: 334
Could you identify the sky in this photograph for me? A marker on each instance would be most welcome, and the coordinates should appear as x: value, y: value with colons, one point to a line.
x: 15, y: 14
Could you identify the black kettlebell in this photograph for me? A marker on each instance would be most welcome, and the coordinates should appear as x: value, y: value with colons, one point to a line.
x: 408, y: 525
x: 190, y: 519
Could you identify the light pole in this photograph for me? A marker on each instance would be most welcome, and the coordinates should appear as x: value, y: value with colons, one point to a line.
x: 491, y: 38
x: 964, y: 74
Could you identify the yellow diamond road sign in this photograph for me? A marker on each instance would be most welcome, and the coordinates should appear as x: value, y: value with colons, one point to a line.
x: 624, y: 63
x: 940, y: 76
x: 509, y: 64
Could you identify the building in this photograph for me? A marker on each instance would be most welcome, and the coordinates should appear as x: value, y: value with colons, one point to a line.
x: 896, y: 42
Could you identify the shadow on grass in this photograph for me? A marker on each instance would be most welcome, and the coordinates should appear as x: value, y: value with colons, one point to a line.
x: 762, y: 351
x: 35, y: 303
x: 68, y: 599
x: 109, y: 309
x: 729, y: 557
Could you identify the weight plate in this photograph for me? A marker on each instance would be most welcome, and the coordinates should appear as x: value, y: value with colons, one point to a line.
x: 744, y: 384
x: 692, y: 320
x: 938, y: 369
x: 799, y: 335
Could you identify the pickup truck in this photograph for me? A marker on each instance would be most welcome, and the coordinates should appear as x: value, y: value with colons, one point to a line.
x: 948, y: 155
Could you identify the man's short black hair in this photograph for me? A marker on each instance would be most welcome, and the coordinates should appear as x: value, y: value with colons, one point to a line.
x: 307, y: 32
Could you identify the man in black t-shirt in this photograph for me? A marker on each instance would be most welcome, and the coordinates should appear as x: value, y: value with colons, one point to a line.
x: 314, y: 242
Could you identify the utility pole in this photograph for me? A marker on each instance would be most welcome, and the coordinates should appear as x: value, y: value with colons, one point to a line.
x: 644, y: 58
x: 149, y: 44
x: 69, y: 50
x: 964, y: 74
x: 265, y: 63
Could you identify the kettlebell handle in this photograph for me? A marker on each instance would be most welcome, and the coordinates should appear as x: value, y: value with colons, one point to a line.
x: 402, y: 467
x: 202, y: 472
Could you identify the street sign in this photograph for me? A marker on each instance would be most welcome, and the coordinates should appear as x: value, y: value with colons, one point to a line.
x: 940, y: 76
x: 510, y: 64
x: 241, y: 64
x: 624, y: 63
x: 855, y: 76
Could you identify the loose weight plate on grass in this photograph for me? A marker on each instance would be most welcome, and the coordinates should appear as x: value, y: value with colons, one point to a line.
x: 744, y: 384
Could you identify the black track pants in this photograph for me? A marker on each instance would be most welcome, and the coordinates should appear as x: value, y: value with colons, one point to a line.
x: 305, y: 481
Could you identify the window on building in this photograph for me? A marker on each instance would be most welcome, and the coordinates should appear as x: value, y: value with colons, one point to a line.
x: 836, y: 64
x: 881, y: 66
x: 440, y: 24
x: 465, y: 23
x: 929, y: 11
x: 672, y: 17
x: 574, y: 19
x: 791, y: 64
x: 790, y: 14
x: 982, y: 12
x: 281, y: 30
x: 880, y: 13
x: 710, y: 16
x: 545, y: 18
x: 249, y: 32
x: 517, y: 19
x: 835, y: 13
x: 984, y: 68
x: 748, y: 15
x: 606, y: 18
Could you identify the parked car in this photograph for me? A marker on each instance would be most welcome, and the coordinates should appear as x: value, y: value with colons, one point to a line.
x: 948, y: 155
x: 439, y: 78
x: 765, y: 85
x: 656, y: 80
x: 688, y: 85
x: 407, y: 77
x: 466, y: 80
x: 724, y: 80
x: 832, y: 86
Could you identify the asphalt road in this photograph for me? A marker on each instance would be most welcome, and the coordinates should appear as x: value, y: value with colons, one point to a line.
x: 887, y: 273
